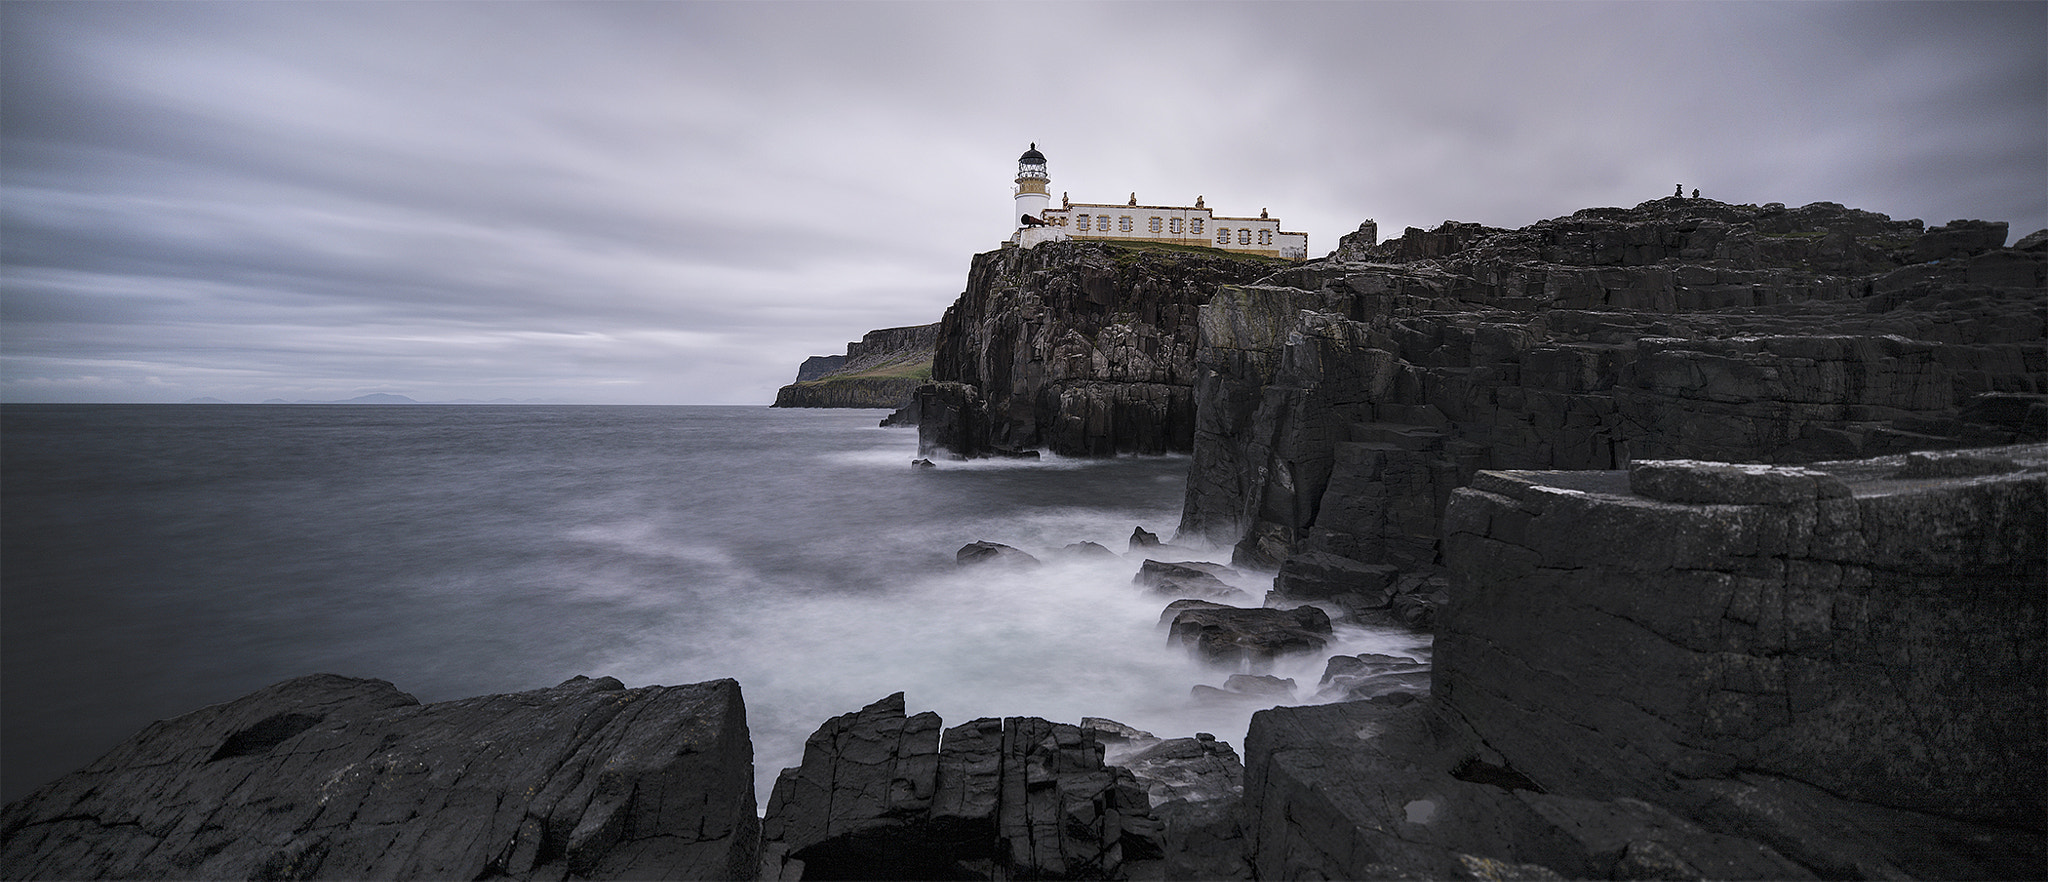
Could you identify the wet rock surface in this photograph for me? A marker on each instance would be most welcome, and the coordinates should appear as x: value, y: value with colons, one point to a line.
x: 882, y: 795
x: 1234, y: 637
x: 333, y: 777
x: 1188, y: 579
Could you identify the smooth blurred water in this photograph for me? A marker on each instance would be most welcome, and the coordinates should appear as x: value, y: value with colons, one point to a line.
x: 158, y: 558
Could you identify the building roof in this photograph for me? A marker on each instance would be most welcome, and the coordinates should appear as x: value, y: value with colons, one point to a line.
x: 1032, y: 155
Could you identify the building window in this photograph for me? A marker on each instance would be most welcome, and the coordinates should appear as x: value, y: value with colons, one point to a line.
x: 1222, y: 235
x: 1153, y: 224
x: 1265, y: 237
x: 1244, y: 237
x: 1124, y: 223
x: 1195, y: 226
x: 1174, y: 225
x: 1081, y: 223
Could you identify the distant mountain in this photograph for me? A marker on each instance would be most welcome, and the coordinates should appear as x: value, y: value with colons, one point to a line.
x: 372, y: 398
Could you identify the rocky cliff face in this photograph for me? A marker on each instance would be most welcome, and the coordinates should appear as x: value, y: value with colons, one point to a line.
x: 1689, y: 670
x: 884, y: 369
x: 332, y: 777
x: 1077, y: 348
x: 1339, y: 403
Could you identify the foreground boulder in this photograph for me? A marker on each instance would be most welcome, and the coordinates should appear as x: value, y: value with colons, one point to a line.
x: 327, y: 776
x: 881, y: 795
x: 1234, y: 637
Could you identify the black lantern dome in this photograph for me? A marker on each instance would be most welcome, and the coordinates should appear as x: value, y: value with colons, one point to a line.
x: 1031, y: 166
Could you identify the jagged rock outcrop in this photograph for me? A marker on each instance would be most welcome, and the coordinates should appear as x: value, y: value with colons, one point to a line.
x: 1691, y: 670
x: 332, y: 777
x: 1076, y: 348
x: 1340, y: 403
x: 884, y: 369
x: 882, y: 795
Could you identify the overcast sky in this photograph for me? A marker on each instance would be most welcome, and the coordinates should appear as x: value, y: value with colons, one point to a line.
x: 679, y: 202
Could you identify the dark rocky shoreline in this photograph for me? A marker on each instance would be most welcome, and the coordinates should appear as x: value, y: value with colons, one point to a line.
x: 1730, y: 522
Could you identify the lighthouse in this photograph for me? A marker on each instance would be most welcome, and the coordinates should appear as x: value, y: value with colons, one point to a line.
x: 1032, y: 196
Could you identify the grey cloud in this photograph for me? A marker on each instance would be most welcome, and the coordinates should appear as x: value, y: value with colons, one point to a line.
x: 677, y: 202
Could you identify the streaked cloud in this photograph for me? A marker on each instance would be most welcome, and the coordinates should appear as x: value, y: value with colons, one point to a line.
x: 678, y: 202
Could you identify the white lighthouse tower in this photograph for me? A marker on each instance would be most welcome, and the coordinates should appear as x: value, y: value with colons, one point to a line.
x: 1027, y: 213
x: 1032, y: 197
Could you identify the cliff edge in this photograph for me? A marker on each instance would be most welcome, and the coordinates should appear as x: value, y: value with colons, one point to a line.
x: 883, y: 369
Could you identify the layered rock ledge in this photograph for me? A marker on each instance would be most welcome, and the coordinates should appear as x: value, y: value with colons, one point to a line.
x: 1688, y: 670
x: 332, y: 777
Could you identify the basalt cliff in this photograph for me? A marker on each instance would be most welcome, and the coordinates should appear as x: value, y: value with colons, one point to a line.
x: 1076, y: 348
x: 884, y: 369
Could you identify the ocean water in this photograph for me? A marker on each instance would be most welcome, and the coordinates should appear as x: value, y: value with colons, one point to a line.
x: 155, y: 559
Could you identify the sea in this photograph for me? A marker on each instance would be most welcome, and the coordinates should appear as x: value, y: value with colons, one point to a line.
x: 155, y: 559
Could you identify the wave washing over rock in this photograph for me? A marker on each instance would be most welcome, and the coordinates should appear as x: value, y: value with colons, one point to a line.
x: 1730, y: 522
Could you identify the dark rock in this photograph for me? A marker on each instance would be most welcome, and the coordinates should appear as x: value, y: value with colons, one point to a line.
x: 1079, y: 348
x: 1174, y: 609
x: 1114, y: 735
x: 1196, y: 786
x: 1417, y: 610
x: 977, y: 553
x: 1384, y: 804
x: 326, y: 776
x: 1954, y: 465
x: 1369, y: 675
x: 1087, y: 550
x: 884, y: 796
x: 1234, y: 637
x: 922, y: 464
x: 1320, y: 575
x: 1142, y: 539
x: 1264, y: 685
x: 903, y: 417
x: 860, y: 797
x: 1339, y: 403
x: 951, y: 417
x: 1961, y: 238
x: 1731, y: 484
x: 817, y: 366
x: 1601, y: 641
x: 1196, y: 579
x: 2034, y: 241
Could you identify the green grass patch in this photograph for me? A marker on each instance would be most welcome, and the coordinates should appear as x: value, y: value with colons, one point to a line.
x: 920, y: 371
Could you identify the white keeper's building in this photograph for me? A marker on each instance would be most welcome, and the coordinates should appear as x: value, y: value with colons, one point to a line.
x: 1036, y: 221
